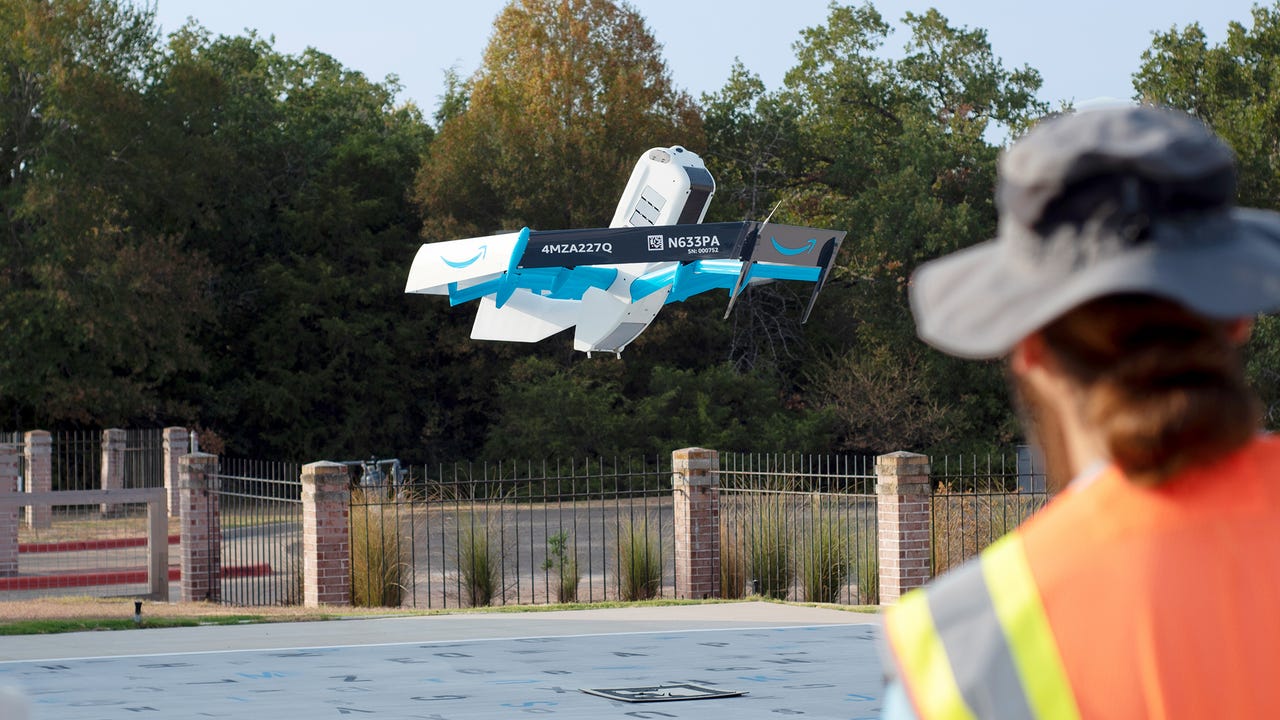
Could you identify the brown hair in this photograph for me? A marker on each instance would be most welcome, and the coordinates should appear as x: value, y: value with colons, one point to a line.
x: 1164, y: 386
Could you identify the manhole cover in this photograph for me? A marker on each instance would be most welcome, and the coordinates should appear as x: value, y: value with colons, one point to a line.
x: 662, y: 693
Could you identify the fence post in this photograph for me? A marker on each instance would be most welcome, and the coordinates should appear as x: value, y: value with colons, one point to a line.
x: 326, y: 535
x: 201, y: 528
x: 695, y: 482
x: 176, y: 444
x: 38, y: 454
x: 8, y: 513
x: 903, y: 515
x: 113, y: 445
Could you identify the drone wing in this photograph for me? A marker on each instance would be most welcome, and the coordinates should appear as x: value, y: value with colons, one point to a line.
x: 609, y: 282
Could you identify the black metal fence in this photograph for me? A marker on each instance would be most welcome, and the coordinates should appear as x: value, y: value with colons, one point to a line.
x: 471, y: 534
x: 260, y: 511
x: 799, y: 527
x: 977, y: 500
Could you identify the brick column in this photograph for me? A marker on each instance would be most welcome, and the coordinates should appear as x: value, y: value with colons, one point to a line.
x: 8, y: 513
x: 903, y: 514
x: 201, y: 528
x: 695, y: 481
x: 326, y: 535
x: 38, y: 454
x: 177, y: 442
x: 113, y: 445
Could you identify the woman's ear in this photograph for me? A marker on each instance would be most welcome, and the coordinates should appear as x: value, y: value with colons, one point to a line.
x: 1030, y: 353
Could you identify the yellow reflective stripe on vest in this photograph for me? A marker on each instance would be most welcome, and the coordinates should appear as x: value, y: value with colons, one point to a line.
x: 1016, y: 602
x: 924, y: 662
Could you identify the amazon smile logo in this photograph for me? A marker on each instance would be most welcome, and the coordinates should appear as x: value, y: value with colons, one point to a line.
x: 809, y: 245
x: 465, y: 263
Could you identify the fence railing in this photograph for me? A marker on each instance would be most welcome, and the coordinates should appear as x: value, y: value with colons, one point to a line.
x: 464, y: 534
x: 516, y: 533
x: 260, y: 506
x: 977, y: 500
x: 75, y: 562
x: 798, y: 527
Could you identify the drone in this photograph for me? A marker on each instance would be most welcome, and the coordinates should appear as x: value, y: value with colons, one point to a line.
x: 608, y: 284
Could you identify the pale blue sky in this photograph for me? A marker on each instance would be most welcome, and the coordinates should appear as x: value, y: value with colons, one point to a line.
x: 1084, y: 49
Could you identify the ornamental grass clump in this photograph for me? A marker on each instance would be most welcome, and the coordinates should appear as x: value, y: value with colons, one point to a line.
x: 379, y: 553
x: 826, y: 560
x: 479, y: 562
x: 639, y: 561
x: 770, y: 560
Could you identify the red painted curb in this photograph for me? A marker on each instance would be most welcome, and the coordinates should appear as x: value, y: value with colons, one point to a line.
x: 115, y: 577
x: 78, y: 545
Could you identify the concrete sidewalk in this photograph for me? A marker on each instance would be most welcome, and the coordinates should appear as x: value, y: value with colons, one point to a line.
x: 433, y: 628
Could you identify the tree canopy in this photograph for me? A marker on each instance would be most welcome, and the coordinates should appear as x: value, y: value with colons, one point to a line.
x: 203, y: 230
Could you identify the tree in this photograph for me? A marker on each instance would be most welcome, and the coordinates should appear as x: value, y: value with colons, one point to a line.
x: 97, y: 310
x: 896, y: 154
x: 569, y: 94
x: 1233, y: 87
x: 300, y: 200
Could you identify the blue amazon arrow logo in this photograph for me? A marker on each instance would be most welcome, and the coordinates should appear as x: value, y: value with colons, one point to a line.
x: 468, y: 262
x: 809, y: 245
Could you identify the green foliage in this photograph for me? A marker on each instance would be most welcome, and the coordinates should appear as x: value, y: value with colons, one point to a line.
x: 565, y: 562
x: 479, y: 562
x: 98, y: 311
x: 379, y: 553
x: 639, y: 561
x: 1234, y: 88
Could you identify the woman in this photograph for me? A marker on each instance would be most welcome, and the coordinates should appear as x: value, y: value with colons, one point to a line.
x: 1119, y: 289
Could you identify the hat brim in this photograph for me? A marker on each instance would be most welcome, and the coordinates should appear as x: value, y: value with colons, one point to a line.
x: 979, y: 302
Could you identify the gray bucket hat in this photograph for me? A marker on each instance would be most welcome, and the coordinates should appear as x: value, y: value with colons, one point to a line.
x: 1121, y: 200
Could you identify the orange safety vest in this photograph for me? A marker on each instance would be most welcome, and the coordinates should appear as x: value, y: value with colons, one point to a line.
x: 1115, y: 601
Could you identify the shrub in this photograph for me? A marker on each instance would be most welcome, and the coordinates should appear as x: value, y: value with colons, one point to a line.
x: 965, y: 523
x: 479, y: 563
x: 565, y: 562
x: 379, y: 555
x: 827, y: 560
x: 770, y: 562
x: 639, y: 562
x: 869, y: 572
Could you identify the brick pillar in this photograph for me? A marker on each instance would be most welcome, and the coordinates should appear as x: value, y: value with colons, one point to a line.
x: 176, y: 444
x: 113, y: 445
x: 201, y: 528
x: 695, y: 480
x: 326, y: 535
x: 8, y: 513
x: 903, y: 515
x: 38, y: 456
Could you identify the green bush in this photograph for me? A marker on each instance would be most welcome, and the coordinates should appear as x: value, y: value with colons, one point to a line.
x: 479, y: 563
x: 639, y: 562
x: 379, y: 555
x: 565, y: 562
